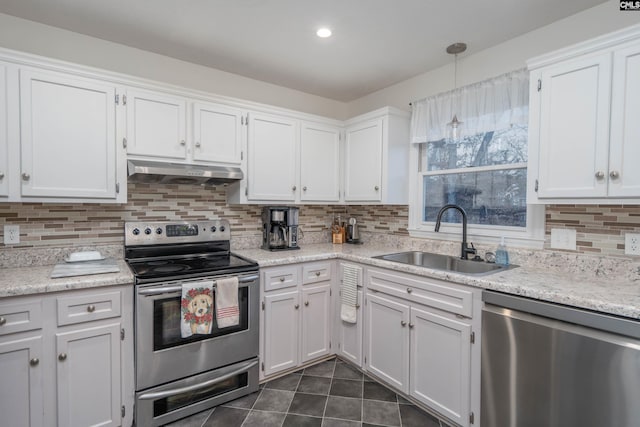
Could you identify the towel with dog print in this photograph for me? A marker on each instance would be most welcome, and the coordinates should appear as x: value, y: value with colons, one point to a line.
x: 196, y: 308
x: 227, y: 311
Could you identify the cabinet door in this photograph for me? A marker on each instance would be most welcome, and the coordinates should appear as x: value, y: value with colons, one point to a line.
x: 68, y: 144
x: 217, y: 133
x: 156, y: 125
x: 281, y: 331
x: 21, y: 399
x: 350, y: 336
x: 316, y: 315
x: 4, y: 132
x: 320, y: 163
x: 363, y: 162
x: 89, y: 376
x: 387, y: 341
x: 272, y: 151
x: 624, y: 179
x: 574, y: 128
x: 440, y: 363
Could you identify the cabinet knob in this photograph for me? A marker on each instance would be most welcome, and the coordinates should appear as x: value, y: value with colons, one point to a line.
x: 599, y: 175
x: 91, y: 308
x: 376, y: 188
x: 409, y: 290
x: 403, y: 323
x: 294, y: 188
x: 282, y: 279
x: 34, y: 361
x: 614, y: 174
x: 306, y: 304
x: 317, y: 274
x: 304, y: 188
x: 411, y: 325
x: 26, y: 176
x: 183, y: 142
x: 2, y: 321
x: 62, y: 357
x: 198, y: 144
x: 1, y: 175
x: 297, y: 306
x: 357, y: 306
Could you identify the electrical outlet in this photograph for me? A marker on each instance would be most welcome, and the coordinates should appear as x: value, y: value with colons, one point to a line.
x: 563, y: 238
x: 11, y: 234
x: 632, y: 244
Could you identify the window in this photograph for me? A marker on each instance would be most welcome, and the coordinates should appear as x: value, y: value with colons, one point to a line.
x: 484, y: 170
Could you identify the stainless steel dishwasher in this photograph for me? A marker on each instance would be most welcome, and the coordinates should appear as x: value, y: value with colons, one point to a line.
x: 547, y: 365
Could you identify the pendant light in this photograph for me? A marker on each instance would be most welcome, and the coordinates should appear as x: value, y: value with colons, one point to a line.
x: 454, y: 125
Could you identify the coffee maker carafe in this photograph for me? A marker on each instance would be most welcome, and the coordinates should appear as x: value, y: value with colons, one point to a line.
x: 279, y: 228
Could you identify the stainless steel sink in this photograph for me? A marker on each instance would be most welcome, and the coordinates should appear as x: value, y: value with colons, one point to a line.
x: 444, y: 262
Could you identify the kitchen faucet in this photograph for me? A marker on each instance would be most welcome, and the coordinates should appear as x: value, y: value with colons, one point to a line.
x: 465, y: 249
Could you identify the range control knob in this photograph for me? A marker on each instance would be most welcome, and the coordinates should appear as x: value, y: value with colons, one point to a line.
x: 136, y: 231
x: 147, y: 230
x: 222, y: 228
x: 158, y: 230
x: 213, y: 229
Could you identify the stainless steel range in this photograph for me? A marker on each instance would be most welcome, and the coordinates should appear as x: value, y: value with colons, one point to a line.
x: 176, y: 376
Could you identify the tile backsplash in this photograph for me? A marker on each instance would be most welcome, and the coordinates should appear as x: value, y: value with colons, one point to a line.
x: 600, y: 228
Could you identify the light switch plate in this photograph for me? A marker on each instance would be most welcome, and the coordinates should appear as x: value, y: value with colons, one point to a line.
x: 563, y: 238
x: 11, y: 234
x: 632, y: 244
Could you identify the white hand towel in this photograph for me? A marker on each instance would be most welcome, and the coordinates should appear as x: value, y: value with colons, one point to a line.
x: 227, y: 310
x: 196, y: 308
x: 349, y: 291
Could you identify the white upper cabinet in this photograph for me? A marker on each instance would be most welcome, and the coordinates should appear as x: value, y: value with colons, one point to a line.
x: 68, y: 137
x: 583, y: 135
x: 217, y: 133
x: 319, y: 163
x: 4, y: 132
x: 272, y: 158
x: 376, y: 158
x: 156, y: 125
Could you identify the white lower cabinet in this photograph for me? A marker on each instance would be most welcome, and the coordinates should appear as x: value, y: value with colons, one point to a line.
x: 349, y: 335
x: 421, y: 349
x: 296, y: 315
x: 57, y: 364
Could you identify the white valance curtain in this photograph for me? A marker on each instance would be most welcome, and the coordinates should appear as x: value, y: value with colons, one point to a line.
x: 492, y: 104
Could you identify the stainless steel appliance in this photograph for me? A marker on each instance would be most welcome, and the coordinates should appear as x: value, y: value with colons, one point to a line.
x: 549, y: 365
x: 279, y: 228
x: 175, y: 376
x: 353, y: 233
x: 151, y: 172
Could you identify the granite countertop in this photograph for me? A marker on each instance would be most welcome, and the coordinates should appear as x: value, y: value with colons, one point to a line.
x: 30, y: 280
x: 614, y: 294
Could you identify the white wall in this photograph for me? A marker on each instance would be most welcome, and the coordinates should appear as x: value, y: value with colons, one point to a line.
x: 511, y: 55
x: 39, y: 39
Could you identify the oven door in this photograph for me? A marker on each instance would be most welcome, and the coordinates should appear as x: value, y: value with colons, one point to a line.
x: 162, y: 355
x: 169, y: 402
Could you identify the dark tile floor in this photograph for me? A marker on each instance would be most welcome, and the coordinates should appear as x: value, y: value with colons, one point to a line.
x: 328, y: 394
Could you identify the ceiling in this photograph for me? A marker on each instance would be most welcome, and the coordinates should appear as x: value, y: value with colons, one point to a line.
x: 375, y: 43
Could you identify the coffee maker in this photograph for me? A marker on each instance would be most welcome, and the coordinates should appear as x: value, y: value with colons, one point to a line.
x: 279, y: 228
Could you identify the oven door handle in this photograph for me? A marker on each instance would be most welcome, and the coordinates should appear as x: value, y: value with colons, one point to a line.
x: 168, y: 289
x: 176, y: 391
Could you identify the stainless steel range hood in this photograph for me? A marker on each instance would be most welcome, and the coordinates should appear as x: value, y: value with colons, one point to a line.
x: 150, y: 172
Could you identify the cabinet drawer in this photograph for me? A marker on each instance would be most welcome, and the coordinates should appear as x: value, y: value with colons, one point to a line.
x: 280, y: 278
x: 430, y: 292
x: 20, y: 317
x: 316, y: 272
x: 85, y: 308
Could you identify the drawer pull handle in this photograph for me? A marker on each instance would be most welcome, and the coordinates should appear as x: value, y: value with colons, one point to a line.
x: 409, y: 290
x: 282, y: 279
x: 34, y: 361
x: 306, y: 304
x: 2, y: 321
x: 62, y: 357
x: 403, y: 323
x: 317, y: 274
x: 91, y: 308
x: 297, y: 306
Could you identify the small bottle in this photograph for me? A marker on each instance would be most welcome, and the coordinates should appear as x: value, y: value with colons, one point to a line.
x: 502, y: 255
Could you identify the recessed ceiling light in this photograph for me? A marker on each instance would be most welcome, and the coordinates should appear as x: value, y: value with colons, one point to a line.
x: 323, y: 32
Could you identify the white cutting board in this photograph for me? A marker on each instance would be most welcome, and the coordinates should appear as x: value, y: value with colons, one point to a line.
x: 68, y: 269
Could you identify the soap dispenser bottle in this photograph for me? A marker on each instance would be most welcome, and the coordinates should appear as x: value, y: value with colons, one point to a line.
x: 502, y: 255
